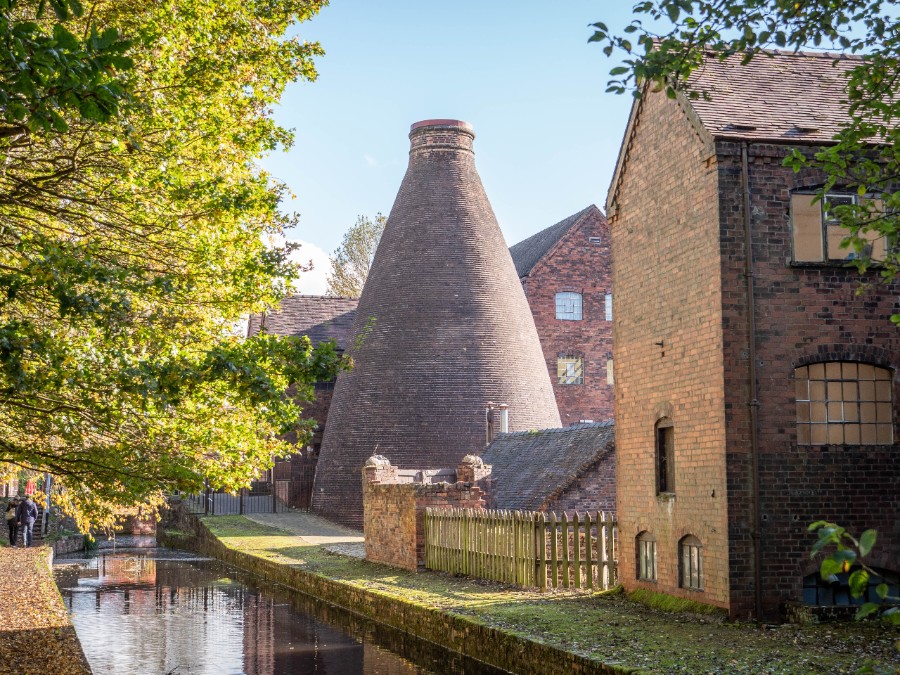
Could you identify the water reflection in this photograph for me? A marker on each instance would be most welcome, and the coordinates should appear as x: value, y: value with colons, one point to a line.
x: 163, y: 611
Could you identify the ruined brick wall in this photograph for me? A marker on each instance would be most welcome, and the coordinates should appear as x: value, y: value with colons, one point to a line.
x: 666, y: 276
x: 394, y: 513
x: 576, y: 264
x: 804, y: 314
x: 594, y: 490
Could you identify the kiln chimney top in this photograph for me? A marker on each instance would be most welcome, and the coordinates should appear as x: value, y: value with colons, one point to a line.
x: 441, y: 134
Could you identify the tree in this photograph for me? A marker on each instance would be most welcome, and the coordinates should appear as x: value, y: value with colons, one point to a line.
x: 132, y: 218
x: 865, y: 155
x: 351, y: 261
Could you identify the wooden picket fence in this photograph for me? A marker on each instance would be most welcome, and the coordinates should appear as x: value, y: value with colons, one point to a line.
x: 531, y: 549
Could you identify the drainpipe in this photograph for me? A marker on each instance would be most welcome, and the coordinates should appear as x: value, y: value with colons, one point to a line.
x: 754, y: 396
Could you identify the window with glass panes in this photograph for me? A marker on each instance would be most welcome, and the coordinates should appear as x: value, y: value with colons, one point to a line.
x: 844, y: 403
x: 817, y: 233
x: 646, y: 557
x: 691, y: 566
x: 568, y: 306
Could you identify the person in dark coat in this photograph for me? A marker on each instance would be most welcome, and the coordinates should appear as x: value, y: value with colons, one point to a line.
x: 26, y: 514
x: 11, y: 521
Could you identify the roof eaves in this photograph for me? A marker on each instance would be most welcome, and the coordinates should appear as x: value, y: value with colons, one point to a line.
x: 624, y: 147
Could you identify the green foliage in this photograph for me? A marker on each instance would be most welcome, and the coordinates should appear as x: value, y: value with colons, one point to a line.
x: 132, y: 226
x: 669, y: 603
x: 847, y: 558
x: 351, y: 261
x: 865, y: 155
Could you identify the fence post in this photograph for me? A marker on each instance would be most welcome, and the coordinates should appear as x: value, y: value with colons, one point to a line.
x: 576, y: 539
x: 540, y: 547
x: 554, y: 560
x: 565, y: 549
x: 241, y: 503
x: 588, y: 550
x: 206, y: 510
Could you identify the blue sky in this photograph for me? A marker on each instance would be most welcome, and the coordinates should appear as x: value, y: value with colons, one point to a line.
x: 522, y: 73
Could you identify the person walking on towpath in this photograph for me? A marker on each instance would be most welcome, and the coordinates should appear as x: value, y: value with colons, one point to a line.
x: 11, y: 521
x: 26, y: 514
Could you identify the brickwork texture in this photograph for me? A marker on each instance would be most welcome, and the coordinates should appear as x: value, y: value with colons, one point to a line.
x: 442, y: 328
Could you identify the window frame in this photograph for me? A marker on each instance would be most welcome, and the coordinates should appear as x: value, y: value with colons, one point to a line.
x: 576, y: 313
x: 664, y: 442
x: 823, y: 224
x: 848, y: 403
x: 690, y: 551
x: 645, y: 551
x: 608, y: 306
x: 570, y: 359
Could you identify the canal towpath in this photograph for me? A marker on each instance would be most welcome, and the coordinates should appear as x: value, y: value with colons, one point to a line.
x: 36, y: 634
x: 524, y: 630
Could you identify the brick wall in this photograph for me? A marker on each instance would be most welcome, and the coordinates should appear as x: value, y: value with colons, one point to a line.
x: 576, y: 264
x: 804, y: 314
x: 666, y: 276
x: 594, y: 490
x: 394, y: 512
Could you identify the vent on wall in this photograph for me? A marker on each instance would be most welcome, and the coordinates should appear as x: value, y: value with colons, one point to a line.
x: 594, y: 240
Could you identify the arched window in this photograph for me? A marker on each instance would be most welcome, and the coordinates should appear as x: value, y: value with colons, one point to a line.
x: 844, y: 403
x: 820, y: 592
x: 568, y: 306
x: 665, y: 456
x: 646, y: 556
x: 690, y: 554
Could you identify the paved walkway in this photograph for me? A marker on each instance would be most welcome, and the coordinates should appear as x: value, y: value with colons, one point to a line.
x: 315, y: 531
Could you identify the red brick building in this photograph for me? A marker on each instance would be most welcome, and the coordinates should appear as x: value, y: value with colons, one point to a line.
x: 321, y: 318
x: 566, y: 273
x: 756, y: 391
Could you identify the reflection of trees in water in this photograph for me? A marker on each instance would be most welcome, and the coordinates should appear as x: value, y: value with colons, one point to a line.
x: 193, y: 614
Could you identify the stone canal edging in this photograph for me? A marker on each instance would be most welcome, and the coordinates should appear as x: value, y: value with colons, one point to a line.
x: 483, y: 643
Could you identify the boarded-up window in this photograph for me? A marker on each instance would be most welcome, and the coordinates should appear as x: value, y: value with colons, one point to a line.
x: 570, y: 369
x: 610, y: 373
x: 807, y: 228
x: 844, y: 403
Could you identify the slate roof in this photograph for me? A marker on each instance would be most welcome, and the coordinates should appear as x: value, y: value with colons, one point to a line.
x: 528, y: 252
x: 320, y: 317
x: 789, y: 97
x: 531, y: 467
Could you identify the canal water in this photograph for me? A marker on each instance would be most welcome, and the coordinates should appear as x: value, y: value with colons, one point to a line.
x: 164, y: 611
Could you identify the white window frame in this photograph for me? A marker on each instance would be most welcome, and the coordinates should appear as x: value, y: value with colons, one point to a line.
x: 569, y: 306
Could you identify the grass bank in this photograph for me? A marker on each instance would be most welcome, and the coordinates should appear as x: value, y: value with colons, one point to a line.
x: 603, y: 631
x: 36, y: 635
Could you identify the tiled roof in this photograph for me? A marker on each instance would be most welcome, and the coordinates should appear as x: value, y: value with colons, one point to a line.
x: 530, y: 467
x: 779, y: 96
x: 320, y: 317
x: 528, y: 252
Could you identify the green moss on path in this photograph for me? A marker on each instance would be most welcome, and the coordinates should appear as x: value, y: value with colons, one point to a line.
x: 606, y: 627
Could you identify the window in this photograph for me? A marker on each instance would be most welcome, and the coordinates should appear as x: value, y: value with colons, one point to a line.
x: 610, y: 375
x: 820, y: 592
x: 691, y: 563
x: 595, y: 240
x: 665, y: 457
x: 843, y: 403
x: 646, y: 557
x: 817, y: 235
x: 570, y: 369
x: 568, y: 306
x: 608, y: 303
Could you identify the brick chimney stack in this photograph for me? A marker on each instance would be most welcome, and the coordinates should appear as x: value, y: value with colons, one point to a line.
x: 442, y: 326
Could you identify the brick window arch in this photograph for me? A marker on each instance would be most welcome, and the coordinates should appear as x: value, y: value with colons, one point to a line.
x: 690, y: 567
x: 645, y: 546
x: 844, y: 403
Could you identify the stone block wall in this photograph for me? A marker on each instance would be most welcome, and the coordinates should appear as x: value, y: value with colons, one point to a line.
x: 394, y: 503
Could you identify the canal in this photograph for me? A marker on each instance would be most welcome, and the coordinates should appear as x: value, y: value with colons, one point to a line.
x: 160, y: 610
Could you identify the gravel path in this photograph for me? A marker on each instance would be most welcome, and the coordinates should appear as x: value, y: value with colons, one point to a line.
x: 315, y: 531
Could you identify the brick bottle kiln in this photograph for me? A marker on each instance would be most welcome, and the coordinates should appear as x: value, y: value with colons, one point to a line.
x: 442, y: 328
